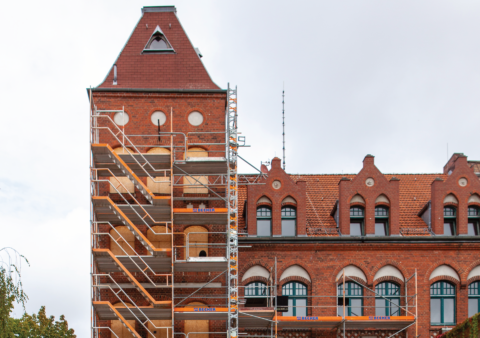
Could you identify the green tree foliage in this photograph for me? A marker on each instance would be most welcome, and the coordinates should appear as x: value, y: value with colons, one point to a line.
x: 10, y: 293
x: 39, y: 326
x: 29, y: 326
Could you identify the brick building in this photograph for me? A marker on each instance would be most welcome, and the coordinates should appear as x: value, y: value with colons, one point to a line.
x: 366, y: 254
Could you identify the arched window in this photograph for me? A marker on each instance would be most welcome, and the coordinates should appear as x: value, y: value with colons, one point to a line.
x: 473, y: 298
x: 381, y: 221
x: 356, y: 221
x: 449, y: 221
x: 256, y: 294
x: 160, y: 184
x: 119, y: 184
x: 264, y: 222
x: 473, y: 221
x: 197, y: 241
x: 297, y: 299
x: 353, y: 299
x: 387, y: 299
x: 289, y: 221
x: 195, y: 184
x: 442, y: 303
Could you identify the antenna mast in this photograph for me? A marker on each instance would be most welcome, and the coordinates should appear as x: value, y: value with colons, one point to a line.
x: 283, y: 123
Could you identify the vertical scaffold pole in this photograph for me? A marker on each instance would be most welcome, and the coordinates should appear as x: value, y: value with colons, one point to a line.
x: 232, y: 228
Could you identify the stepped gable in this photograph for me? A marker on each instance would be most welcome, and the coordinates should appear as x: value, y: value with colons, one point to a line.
x: 179, y: 68
x: 323, y: 192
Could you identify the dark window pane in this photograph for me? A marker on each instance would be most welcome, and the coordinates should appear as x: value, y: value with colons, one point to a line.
x: 380, y: 229
x: 380, y: 309
x: 435, y: 310
x: 263, y: 228
x: 473, y: 212
x: 355, y: 229
x: 289, y: 212
x: 447, y: 229
x: 472, y: 229
x: 449, y: 212
x: 448, y: 310
x: 381, y: 212
x: 288, y: 227
x: 264, y: 212
x: 472, y: 306
x: 473, y: 289
x: 356, y: 212
x: 158, y: 44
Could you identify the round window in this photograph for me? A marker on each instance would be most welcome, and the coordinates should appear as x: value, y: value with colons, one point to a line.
x: 121, y: 119
x: 195, y: 118
x: 159, y: 116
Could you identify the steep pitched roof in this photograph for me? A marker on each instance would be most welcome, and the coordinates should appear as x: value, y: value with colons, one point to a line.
x: 181, y: 69
x: 322, y: 194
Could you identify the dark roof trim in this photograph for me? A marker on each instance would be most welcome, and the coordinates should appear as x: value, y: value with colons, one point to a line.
x: 346, y: 240
x: 154, y: 90
x: 157, y: 9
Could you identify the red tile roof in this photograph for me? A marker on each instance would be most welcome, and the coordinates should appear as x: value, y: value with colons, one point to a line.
x: 475, y: 165
x: 322, y: 194
x: 180, y: 70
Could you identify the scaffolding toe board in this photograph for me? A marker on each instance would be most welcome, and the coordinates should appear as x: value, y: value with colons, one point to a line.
x: 105, y: 311
x: 137, y: 213
x: 374, y: 322
x: 133, y: 264
x: 201, y: 166
x: 202, y: 264
x: 201, y: 313
x: 308, y: 322
x: 260, y: 318
x: 194, y: 216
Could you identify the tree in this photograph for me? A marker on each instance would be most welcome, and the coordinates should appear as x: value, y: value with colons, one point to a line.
x: 11, y: 292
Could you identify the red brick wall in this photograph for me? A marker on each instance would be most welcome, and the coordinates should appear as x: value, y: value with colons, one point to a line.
x: 440, y: 189
x: 288, y: 188
x: 350, y: 188
x: 324, y: 261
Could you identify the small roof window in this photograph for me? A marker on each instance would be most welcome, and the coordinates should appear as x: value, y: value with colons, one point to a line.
x: 158, y: 43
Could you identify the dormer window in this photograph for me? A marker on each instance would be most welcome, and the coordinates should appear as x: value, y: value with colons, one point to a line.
x: 381, y: 221
x: 158, y: 43
x: 449, y: 221
x: 356, y: 222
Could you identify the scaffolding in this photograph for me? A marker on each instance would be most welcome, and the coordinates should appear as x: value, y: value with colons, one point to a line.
x: 133, y: 271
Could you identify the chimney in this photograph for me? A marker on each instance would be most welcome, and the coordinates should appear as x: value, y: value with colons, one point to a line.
x: 450, y: 166
x: 368, y: 160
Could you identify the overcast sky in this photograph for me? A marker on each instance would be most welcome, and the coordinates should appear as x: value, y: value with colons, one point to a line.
x: 396, y: 79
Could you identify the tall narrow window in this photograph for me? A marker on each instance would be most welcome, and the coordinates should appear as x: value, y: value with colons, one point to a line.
x: 297, y: 299
x: 356, y: 222
x: 289, y: 221
x: 264, y: 222
x: 473, y: 221
x: 353, y: 299
x: 449, y: 221
x: 442, y: 303
x: 388, y: 304
x: 473, y: 298
x: 381, y: 221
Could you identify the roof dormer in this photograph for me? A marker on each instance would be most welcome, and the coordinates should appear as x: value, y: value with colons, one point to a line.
x: 158, y: 43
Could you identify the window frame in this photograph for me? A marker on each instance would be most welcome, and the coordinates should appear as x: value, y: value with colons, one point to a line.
x: 264, y: 218
x: 358, y: 219
x: 348, y: 291
x: 256, y: 287
x: 284, y: 217
x: 442, y: 297
x: 388, y: 301
x: 451, y: 220
x: 474, y: 296
x: 295, y: 297
x: 382, y: 219
x: 473, y: 218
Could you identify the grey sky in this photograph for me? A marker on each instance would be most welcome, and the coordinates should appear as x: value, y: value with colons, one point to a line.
x: 396, y: 79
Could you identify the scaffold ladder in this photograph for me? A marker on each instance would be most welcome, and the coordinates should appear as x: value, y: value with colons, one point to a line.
x: 232, y: 228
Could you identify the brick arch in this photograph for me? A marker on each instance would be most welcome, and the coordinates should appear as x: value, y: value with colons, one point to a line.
x: 253, y: 263
x: 469, y: 269
x: 254, y: 279
x: 473, y: 279
x: 295, y: 279
x: 354, y: 263
x: 473, y: 204
x: 454, y: 193
x: 355, y: 203
x: 384, y: 194
x: 285, y: 267
x: 385, y: 262
x: 450, y: 263
x: 392, y: 279
x: 150, y: 148
x: 446, y: 279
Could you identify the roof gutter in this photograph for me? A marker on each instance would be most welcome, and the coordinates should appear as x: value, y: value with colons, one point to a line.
x: 365, y: 239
